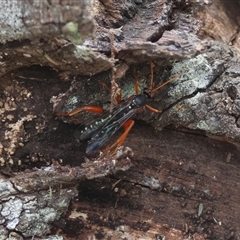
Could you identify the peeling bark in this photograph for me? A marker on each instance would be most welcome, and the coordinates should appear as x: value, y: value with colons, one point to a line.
x: 31, y: 201
x: 177, y: 193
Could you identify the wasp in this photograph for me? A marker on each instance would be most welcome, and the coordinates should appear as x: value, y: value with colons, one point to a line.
x: 101, y: 128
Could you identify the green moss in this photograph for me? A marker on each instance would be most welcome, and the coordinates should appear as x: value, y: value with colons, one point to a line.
x: 70, y: 30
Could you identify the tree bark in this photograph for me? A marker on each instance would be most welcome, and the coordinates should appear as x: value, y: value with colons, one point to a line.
x: 181, y: 184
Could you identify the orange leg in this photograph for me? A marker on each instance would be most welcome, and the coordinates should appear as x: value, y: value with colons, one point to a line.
x: 117, y: 95
x: 127, y: 127
x: 151, y: 80
x: 136, y: 81
x: 155, y: 110
x: 93, y: 109
x: 162, y: 85
x: 104, y: 85
x: 153, y: 90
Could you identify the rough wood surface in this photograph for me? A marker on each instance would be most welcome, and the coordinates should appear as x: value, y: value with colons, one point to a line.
x: 50, y: 34
x: 31, y: 201
x: 180, y: 185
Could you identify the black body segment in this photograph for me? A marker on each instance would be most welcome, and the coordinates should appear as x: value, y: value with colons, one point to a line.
x: 103, y: 127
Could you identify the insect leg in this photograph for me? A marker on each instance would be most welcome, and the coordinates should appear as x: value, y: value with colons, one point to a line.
x: 93, y: 109
x: 151, y: 80
x: 104, y: 85
x: 127, y: 127
x: 153, y: 109
x: 117, y: 94
x: 136, y: 81
x: 162, y: 85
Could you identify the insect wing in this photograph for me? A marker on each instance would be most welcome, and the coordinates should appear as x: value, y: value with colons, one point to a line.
x: 100, y: 138
x: 108, y: 130
x: 91, y: 126
x: 105, y: 117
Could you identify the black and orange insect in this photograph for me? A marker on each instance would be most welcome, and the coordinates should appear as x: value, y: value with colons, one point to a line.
x: 101, y: 128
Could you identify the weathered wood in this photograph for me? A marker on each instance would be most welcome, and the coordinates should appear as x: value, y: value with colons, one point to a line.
x: 50, y: 34
x: 172, y: 176
x: 50, y: 39
x: 31, y: 201
x: 162, y: 188
x: 181, y: 186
